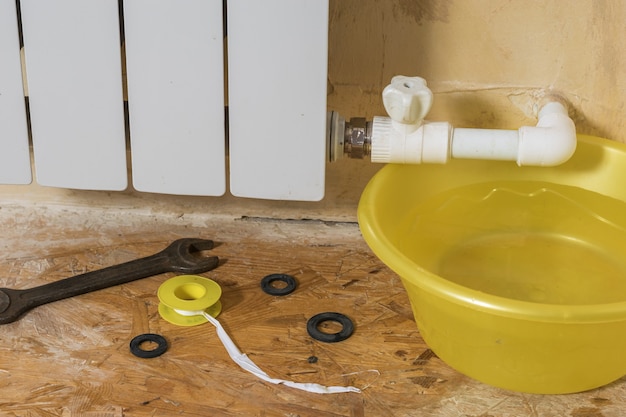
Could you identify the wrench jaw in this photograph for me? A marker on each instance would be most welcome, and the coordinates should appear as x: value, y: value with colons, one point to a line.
x: 195, y: 266
x: 186, y: 257
x: 5, y: 300
x: 11, y: 306
x: 196, y: 245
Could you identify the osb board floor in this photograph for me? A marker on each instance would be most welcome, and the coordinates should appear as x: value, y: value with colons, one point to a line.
x: 71, y: 358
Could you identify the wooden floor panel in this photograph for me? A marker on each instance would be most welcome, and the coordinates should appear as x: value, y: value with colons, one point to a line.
x: 71, y: 358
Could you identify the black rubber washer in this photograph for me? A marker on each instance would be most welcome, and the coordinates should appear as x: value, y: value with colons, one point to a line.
x: 266, y: 284
x: 135, y: 345
x: 315, y: 333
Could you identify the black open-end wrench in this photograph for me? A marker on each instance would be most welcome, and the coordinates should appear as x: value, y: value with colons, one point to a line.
x: 181, y: 256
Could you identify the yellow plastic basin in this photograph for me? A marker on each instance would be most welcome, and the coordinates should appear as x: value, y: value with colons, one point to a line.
x: 516, y: 275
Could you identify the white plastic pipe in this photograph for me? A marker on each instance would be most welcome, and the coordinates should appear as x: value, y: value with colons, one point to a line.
x: 406, y: 139
x: 551, y: 142
x: 485, y: 144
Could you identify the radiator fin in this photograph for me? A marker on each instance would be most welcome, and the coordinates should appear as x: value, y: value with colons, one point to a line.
x: 175, y: 67
x: 277, y: 76
x: 14, y: 152
x: 72, y: 52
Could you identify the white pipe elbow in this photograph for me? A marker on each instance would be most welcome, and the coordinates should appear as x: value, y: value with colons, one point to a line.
x: 552, y: 142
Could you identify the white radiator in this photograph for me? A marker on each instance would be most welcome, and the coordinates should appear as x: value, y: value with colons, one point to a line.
x: 176, y: 66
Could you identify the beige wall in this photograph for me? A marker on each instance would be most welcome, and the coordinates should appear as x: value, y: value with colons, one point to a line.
x: 487, y: 61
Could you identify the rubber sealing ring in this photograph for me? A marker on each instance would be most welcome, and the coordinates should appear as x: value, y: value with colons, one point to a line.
x: 315, y: 333
x: 266, y: 284
x: 135, y: 345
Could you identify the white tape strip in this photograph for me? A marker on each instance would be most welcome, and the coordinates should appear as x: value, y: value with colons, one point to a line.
x: 246, y: 363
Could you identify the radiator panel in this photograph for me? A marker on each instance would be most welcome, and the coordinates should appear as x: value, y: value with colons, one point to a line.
x: 277, y: 77
x: 73, y: 66
x: 175, y: 78
x: 14, y: 152
x: 175, y: 67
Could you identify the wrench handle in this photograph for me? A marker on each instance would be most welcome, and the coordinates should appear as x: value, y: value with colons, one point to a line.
x: 95, y: 280
x: 20, y: 301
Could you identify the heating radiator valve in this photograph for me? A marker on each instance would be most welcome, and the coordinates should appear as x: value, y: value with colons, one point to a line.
x: 352, y: 138
x: 405, y: 137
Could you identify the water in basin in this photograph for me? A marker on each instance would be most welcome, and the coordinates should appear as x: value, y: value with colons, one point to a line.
x: 525, y: 240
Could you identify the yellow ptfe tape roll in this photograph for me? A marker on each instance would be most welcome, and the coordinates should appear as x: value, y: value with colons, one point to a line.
x: 189, y: 293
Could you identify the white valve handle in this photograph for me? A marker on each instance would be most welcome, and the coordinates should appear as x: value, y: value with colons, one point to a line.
x: 407, y: 99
